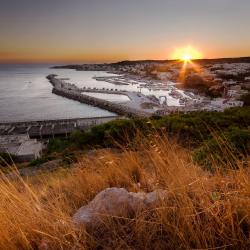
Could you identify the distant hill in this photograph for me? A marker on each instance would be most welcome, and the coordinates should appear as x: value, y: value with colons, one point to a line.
x: 128, y: 62
x: 215, y: 60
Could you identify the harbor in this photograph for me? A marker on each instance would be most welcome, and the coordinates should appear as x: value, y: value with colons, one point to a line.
x: 135, y: 107
x: 110, y: 97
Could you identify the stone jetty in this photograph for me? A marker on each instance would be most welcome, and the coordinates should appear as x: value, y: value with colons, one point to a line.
x: 71, y: 91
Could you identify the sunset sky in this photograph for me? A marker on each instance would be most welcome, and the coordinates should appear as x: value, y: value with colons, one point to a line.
x: 111, y: 30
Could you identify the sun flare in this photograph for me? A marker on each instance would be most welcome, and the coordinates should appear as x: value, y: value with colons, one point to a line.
x: 186, y: 57
x: 186, y: 54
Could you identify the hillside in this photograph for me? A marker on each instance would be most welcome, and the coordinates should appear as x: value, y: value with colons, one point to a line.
x: 200, y: 210
x: 197, y: 165
x: 197, y: 131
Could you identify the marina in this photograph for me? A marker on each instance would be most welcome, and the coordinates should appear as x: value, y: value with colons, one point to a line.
x: 132, y: 108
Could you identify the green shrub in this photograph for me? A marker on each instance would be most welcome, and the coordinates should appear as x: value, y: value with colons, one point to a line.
x: 78, y: 138
x: 109, y: 134
x: 224, y: 149
x: 57, y: 145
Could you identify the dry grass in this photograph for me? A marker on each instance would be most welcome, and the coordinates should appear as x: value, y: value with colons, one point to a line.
x: 203, y: 211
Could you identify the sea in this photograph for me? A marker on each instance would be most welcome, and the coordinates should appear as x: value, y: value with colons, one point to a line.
x: 26, y: 94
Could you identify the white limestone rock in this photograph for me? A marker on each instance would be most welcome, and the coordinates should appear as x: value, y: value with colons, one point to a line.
x: 116, y: 202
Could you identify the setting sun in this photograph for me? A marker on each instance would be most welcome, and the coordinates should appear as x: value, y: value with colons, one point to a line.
x: 186, y: 57
x: 186, y: 54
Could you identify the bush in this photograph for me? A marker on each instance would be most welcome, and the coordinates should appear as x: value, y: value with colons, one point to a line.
x: 78, y: 138
x: 57, y: 145
x: 224, y: 149
x: 109, y: 134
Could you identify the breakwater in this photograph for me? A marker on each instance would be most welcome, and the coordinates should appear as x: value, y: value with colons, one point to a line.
x: 71, y: 91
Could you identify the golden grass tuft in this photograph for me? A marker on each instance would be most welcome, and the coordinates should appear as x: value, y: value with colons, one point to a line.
x: 202, y: 211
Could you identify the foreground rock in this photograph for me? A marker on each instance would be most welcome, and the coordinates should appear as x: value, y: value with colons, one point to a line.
x: 116, y: 202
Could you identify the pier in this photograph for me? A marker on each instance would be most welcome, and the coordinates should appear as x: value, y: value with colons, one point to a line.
x: 130, y: 109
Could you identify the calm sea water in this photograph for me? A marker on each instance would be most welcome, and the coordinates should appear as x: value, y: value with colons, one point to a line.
x: 25, y: 94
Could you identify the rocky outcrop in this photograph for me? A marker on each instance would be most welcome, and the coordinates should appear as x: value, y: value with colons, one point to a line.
x: 116, y: 202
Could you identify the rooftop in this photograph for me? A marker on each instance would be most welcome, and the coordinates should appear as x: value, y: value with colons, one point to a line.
x: 22, y: 146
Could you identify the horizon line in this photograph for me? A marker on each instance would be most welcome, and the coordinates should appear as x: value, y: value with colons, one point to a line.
x: 111, y: 61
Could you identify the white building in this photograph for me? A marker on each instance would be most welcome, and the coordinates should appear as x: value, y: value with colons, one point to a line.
x: 21, y: 146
